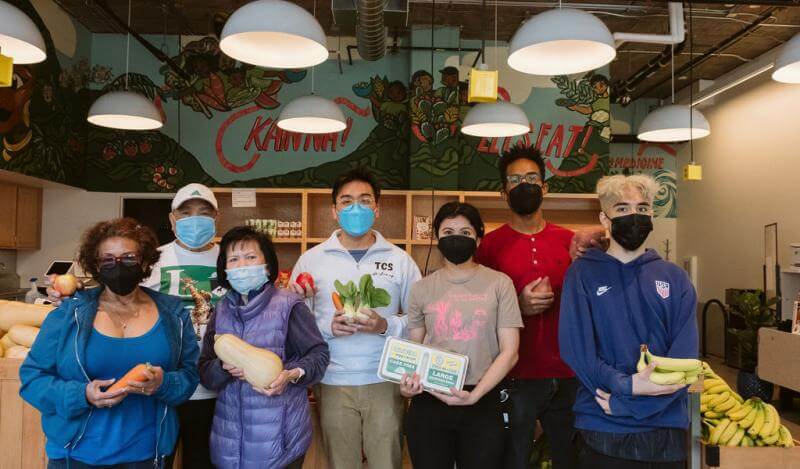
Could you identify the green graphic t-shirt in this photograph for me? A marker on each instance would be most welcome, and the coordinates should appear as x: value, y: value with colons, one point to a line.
x: 169, y: 276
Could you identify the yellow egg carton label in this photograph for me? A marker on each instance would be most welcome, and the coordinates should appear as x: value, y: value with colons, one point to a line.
x: 439, y: 370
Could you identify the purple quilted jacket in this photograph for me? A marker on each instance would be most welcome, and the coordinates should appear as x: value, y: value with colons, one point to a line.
x: 251, y: 430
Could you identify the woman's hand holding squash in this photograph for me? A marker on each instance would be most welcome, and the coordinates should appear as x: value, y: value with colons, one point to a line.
x: 237, y: 373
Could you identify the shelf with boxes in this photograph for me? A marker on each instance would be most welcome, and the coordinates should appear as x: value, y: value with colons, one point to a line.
x: 404, y: 217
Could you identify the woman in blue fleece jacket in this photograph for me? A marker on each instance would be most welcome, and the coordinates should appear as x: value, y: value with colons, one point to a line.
x: 92, y: 340
x: 613, y: 302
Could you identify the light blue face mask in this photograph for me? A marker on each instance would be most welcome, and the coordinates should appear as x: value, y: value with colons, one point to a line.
x: 248, y: 278
x: 356, y: 220
x: 195, y: 232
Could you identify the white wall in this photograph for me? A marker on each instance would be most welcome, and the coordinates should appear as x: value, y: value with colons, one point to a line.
x: 750, y: 179
x: 66, y: 214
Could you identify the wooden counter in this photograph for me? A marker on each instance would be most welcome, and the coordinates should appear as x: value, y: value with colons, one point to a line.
x: 777, y: 358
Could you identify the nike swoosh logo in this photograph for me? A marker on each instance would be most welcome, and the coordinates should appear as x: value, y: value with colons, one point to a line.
x: 602, y: 290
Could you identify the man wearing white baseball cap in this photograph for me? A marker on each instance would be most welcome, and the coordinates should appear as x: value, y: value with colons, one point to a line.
x: 192, y: 259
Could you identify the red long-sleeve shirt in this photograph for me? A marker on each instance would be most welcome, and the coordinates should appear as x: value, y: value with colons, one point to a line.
x: 524, y: 258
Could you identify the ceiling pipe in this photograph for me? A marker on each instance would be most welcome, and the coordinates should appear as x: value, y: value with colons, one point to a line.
x: 621, y: 89
x: 696, y: 61
x: 677, y: 31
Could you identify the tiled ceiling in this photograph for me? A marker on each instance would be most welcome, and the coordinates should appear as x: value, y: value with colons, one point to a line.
x: 713, y: 23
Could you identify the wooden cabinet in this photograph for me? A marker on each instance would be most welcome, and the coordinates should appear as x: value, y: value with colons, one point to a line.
x: 396, y: 221
x: 20, y: 217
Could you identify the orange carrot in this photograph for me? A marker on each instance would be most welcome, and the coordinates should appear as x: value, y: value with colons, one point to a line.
x: 337, y: 302
x: 135, y: 374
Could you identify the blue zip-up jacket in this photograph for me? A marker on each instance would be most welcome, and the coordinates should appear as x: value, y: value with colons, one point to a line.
x: 54, y: 379
x: 608, y: 309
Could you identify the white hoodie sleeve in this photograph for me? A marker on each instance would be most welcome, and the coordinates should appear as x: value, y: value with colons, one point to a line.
x: 397, y: 325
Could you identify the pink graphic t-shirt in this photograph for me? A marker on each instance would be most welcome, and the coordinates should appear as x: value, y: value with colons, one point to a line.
x: 463, y: 315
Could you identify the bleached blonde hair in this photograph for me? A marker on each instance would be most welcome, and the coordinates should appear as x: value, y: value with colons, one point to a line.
x: 611, y: 189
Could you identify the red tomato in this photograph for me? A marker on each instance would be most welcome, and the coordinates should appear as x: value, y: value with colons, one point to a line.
x: 305, y: 280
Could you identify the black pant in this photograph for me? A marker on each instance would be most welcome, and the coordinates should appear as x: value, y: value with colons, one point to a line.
x: 440, y: 436
x: 195, y: 418
x: 550, y: 401
x: 591, y: 459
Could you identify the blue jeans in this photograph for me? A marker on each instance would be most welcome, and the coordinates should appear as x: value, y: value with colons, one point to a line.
x: 72, y: 464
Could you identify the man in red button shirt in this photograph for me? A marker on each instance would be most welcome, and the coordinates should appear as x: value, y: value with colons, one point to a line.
x: 536, y: 255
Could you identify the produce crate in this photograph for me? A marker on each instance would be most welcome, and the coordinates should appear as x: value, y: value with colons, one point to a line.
x: 750, y: 458
x: 777, y: 358
x: 21, y: 437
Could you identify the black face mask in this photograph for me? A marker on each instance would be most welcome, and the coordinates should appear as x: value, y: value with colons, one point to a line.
x: 457, y: 248
x: 631, y: 231
x: 525, y: 198
x: 121, y: 279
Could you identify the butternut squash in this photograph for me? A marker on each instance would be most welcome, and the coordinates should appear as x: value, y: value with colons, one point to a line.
x: 15, y: 312
x: 260, y: 366
x: 23, y: 335
x: 17, y: 352
x: 6, y: 342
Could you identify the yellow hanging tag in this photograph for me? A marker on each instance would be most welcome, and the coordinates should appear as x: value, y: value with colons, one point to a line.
x: 482, y: 85
x: 692, y: 172
x: 6, y: 71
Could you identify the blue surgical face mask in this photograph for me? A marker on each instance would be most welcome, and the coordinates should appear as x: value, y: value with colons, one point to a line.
x: 248, y: 278
x: 195, y: 232
x: 356, y: 220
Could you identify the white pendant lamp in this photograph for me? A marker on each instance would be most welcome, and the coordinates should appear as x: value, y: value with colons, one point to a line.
x: 787, y: 66
x: 274, y: 33
x: 498, y: 119
x: 674, y: 123
x: 561, y: 42
x: 312, y: 115
x: 125, y: 110
x: 20, y: 39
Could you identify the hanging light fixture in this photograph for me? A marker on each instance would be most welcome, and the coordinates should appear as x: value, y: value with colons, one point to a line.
x: 125, y: 110
x: 499, y: 119
x: 20, y: 39
x: 276, y: 34
x: 561, y: 42
x: 787, y: 66
x: 676, y: 122
x: 495, y: 119
x: 311, y: 114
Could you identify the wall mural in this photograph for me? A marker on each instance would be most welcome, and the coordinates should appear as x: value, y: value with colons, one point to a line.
x: 221, y: 125
x: 658, y: 160
x: 42, y: 115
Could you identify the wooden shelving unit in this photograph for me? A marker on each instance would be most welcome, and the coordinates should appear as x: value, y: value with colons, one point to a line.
x: 396, y: 218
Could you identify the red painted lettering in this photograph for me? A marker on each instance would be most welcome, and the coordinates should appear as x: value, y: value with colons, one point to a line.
x: 544, y: 130
x: 556, y: 141
x: 574, y: 131
x: 254, y: 137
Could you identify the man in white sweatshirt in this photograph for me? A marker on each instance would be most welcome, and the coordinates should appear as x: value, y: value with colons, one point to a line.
x: 357, y: 409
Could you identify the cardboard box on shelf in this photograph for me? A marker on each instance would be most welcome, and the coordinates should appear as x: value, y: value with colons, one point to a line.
x: 750, y: 458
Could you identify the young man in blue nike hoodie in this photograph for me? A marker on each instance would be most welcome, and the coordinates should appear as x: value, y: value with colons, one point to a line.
x: 612, y: 302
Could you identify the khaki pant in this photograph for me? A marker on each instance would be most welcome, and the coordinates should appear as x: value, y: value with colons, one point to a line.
x: 356, y: 417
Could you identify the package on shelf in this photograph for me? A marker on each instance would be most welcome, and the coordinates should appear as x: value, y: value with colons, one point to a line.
x: 422, y: 227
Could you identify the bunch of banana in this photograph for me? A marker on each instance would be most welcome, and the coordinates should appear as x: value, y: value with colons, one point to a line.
x: 732, y: 422
x: 670, y: 370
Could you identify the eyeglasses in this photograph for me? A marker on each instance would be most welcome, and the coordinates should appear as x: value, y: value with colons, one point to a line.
x: 530, y: 178
x: 128, y: 259
x: 344, y: 202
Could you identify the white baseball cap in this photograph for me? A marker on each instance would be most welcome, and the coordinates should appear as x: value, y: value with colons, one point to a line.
x: 194, y: 191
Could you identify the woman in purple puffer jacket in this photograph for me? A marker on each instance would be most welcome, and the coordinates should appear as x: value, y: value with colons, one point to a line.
x: 255, y: 427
